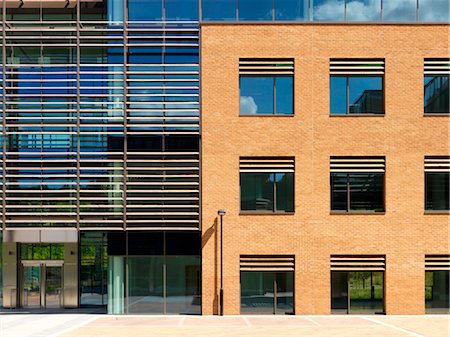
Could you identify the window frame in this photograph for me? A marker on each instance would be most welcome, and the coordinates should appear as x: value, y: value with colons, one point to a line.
x: 348, y: 199
x: 347, y: 96
x: 274, y: 90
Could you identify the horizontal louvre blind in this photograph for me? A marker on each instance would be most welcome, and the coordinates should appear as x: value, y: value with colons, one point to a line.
x: 357, y: 66
x: 357, y: 164
x: 437, y: 164
x: 358, y: 262
x: 266, y: 164
x: 437, y: 262
x: 267, y: 262
x: 434, y: 66
x: 249, y: 66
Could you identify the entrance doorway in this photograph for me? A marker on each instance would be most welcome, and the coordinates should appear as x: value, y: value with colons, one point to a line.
x: 42, y: 284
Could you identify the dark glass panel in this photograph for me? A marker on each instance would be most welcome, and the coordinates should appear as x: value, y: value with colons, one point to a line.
x: 183, y: 243
x: 284, y: 95
x: 325, y: 10
x: 434, y: 11
x: 366, y: 292
x: 181, y: 143
x: 115, y: 143
x: 257, y: 292
x: 181, y: 55
x: 144, y: 143
x: 116, y: 243
x: 365, y: 94
x: 363, y: 10
x: 145, y: 289
x: 436, y: 94
x: 145, y: 10
x: 186, y: 10
x: 284, y: 191
x: 145, y: 243
x: 338, y: 95
x: 183, y: 295
x: 437, y: 291
x: 339, y: 192
x: 219, y: 10
x: 291, y: 10
x: 437, y: 191
x: 257, y: 191
x: 367, y: 191
x: 339, y: 292
x: 399, y: 11
x: 38, y: 251
x: 143, y: 55
x: 285, y: 293
x: 257, y: 95
x: 255, y: 9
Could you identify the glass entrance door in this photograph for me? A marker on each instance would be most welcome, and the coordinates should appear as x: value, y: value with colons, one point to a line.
x: 53, y: 286
x: 31, y: 286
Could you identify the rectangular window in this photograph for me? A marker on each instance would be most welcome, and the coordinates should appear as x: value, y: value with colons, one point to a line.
x: 357, y: 284
x: 437, y: 186
x: 267, y: 284
x: 437, y: 284
x: 357, y: 184
x: 266, y: 86
x: 267, y: 184
x: 356, y: 86
x: 436, y: 89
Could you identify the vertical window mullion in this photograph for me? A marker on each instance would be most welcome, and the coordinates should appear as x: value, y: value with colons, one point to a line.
x: 347, y: 95
x: 274, y: 189
x: 274, y: 112
x: 348, y: 192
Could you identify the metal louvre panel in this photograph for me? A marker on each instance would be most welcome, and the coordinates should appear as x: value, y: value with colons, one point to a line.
x: 437, y: 66
x: 266, y: 164
x: 437, y: 163
x: 357, y: 66
x: 358, y: 263
x: 437, y: 262
x: 357, y: 164
x: 267, y: 263
x: 266, y: 66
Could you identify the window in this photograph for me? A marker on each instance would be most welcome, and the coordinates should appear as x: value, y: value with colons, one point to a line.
x: 356, y: 87
x: 437, y: 283
x: 267, y: 284
x: 266, y: 86
x: 357, y: 284
x: 437, y: 190
x: 357, y: 184
x: 267, y: 184
x: 436, y: 89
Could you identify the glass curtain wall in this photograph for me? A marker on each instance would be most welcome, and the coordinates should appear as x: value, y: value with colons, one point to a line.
x: 437, y: 285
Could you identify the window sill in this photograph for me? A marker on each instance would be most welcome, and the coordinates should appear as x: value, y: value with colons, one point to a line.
x: 357, y: 213
x: 357, y: 115
x: 267, y: 115
x: 441, y: 114
x: 443, y: 212
x: 265, y: 213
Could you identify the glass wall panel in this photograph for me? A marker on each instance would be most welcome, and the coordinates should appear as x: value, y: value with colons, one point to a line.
x: 366, y: 191
x: 437, y: 291
x: 437, y: 188
x: 366, y: 292
x: 257, y: 293
x: 339, y: 292
x: 365, y: 94
x: 284, y: 192
x: 285, y: 293
x: 116, y: 285
x: 219, y: 10
x: 399, y: 10
x: 183, y: 285
x: 145, y: 289
x: 255, y: 10
x: 434, y: 11
x: 41, y: 251
x: 257, y: 191
x: 186, y: 10
x: 257, y: 95
x: 284, y: 95
x: 145, y: 10
x: 363, y: 10
x: 436, y: 94
x: 339, y: 191
x: 338, y: 95
x: 328, y: 10
x: 291, y: 10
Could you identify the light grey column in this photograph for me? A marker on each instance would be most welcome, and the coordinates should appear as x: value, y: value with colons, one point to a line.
x: 70, y: 275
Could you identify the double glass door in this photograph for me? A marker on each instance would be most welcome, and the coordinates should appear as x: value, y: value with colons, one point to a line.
x: 42, y: 284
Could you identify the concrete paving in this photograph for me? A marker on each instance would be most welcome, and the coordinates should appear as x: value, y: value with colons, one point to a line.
x: 94, y: 325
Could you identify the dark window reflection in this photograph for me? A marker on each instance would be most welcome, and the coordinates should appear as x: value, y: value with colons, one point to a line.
x: 144, y: 143
x: 437, y: 191
x: 437, y: 291
x: 436, y: 94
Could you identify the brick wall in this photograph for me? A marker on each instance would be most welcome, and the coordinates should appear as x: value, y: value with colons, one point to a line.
x: 404, y: 233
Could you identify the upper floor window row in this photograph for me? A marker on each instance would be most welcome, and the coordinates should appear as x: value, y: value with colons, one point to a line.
x: 231, y: 10
x: 327, y: 10
x: 436, y: 88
